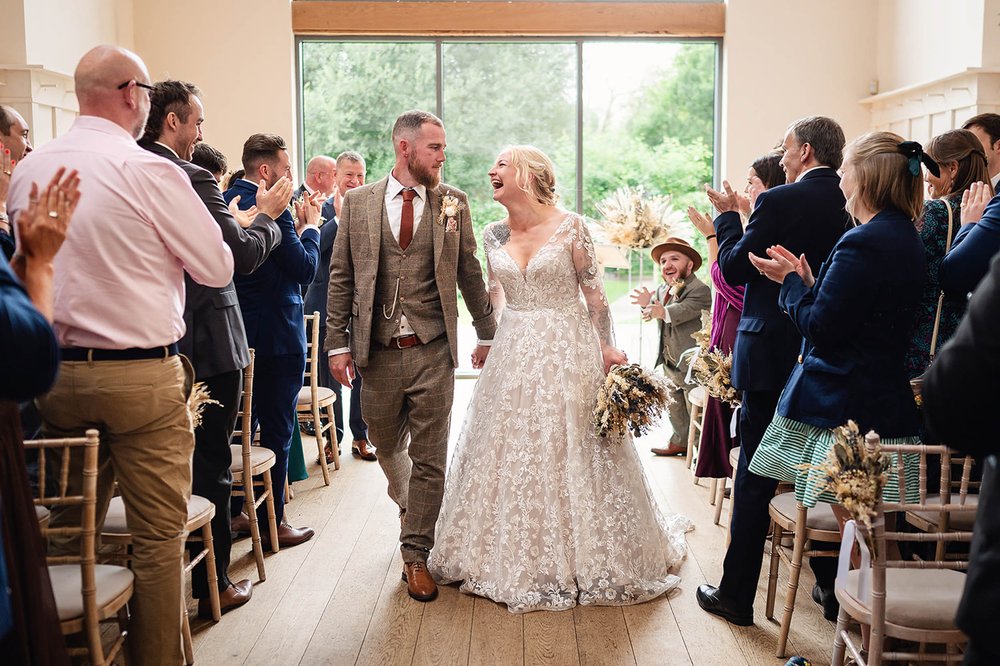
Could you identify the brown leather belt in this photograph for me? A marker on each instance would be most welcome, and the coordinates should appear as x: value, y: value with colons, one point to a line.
x: 403, y: 342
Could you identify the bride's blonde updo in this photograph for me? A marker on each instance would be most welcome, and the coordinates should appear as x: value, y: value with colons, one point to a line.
x: 536, y: 175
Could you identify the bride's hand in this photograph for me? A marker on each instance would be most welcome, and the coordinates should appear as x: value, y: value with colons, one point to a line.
x: 479, y: 355
x: 612, y: 357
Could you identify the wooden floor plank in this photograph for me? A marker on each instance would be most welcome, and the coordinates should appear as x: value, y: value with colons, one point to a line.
x: 602, y: 637
x: 497, y: 635
x: 339, y: 599
x: 550, y: 638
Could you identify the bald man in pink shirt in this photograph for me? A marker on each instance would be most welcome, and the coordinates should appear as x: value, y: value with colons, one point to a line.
x: 119, y: 305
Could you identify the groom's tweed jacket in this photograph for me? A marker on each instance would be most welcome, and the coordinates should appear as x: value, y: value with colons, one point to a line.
x: 367, y: 259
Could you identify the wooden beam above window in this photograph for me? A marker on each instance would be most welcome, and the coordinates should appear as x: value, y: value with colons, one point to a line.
x: 532, y: 19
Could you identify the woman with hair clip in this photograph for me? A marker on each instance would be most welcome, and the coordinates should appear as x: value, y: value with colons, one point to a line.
x: 539, y: 512
x: 961, y: 162
x: 856, y: 317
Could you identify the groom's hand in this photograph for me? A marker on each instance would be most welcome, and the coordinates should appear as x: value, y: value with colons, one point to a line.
x: 479, y: 355
x: 342, y: 368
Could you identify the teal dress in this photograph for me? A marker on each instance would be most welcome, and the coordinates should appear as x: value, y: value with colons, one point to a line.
x: 296, y: 459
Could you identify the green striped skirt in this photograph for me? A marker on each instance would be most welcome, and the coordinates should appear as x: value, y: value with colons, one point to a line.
x: 788, y: 446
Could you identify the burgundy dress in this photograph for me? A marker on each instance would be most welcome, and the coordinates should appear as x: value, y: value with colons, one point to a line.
x: 713, y: 455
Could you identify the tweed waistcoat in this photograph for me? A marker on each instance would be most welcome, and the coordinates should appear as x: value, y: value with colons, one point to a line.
x: 418, y: 297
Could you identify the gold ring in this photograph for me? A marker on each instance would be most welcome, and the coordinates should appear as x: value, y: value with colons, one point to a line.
x: 54, y: 215
x: 7, y: 173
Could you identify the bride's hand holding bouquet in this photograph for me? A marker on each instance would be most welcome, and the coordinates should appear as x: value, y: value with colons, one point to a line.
x: 612, y: 357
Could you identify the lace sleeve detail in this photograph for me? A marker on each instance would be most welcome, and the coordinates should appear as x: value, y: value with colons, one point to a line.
x: 490, y: 245
x: 588, y: 274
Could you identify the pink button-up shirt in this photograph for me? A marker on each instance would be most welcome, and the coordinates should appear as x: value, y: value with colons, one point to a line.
x: 119, y: 277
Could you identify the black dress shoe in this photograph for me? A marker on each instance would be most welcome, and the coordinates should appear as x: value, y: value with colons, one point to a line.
x: 712, y: 602
x: 828, y: 600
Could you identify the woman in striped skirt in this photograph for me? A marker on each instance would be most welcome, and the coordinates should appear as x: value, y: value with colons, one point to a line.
x: 856, y: 318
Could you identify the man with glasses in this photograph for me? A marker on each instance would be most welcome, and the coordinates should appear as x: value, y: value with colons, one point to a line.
x: 118, y: 314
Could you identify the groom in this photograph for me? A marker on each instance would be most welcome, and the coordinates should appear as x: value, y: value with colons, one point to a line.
x: 402, y: 245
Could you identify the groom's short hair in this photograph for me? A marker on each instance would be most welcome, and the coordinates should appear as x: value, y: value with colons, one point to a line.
x: 411, y: 122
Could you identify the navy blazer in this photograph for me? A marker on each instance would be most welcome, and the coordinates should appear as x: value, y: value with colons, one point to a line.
x: 857, y: 322
x: 808, y: 217
x: 969, y: 258
x: 271, y: 297
x: 29, y: 354
x: 315, y: 299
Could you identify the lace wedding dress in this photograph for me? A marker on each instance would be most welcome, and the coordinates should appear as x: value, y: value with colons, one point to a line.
x: 539, y: 512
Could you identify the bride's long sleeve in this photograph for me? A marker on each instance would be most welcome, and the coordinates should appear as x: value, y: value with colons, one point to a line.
x: 588, y: 274
x: 497, y: 297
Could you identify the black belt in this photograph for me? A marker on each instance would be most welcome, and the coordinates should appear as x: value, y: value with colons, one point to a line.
x: 133, y: 354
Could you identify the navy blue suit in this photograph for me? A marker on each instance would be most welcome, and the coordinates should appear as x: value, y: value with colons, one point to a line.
x: 857, y: 321
x: 271, y: 304
x: 974, y: 247
x: 315, y: 301
x: 807, y: 217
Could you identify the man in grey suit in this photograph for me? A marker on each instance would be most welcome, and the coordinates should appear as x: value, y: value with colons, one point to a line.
x: 403, y: 245
x: 215, y: 340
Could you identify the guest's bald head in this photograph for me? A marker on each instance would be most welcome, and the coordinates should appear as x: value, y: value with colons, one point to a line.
x: 321, y: 173
x: 106, y: 79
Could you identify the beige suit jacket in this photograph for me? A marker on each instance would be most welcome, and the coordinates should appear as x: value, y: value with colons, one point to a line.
x: 355, y: 260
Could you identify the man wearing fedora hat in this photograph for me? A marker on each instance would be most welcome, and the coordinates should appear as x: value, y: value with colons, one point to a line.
x: 676, y: 306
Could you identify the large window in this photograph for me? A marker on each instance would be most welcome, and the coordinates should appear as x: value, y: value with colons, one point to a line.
x: 610, y: 113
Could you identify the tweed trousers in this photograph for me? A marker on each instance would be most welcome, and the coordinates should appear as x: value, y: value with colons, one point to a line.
x: 406, y: 400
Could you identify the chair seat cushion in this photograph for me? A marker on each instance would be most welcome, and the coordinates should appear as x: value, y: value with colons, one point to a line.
x: 820, y: 517
x: 112, y: 582
x: 919, y: 598
x: 199, y: 509
x: 42, y: 514
x: 958, y: 520
x: 734, y: 458
x: 258, y: 456
x: 698, y: 396
x: 323, y: 395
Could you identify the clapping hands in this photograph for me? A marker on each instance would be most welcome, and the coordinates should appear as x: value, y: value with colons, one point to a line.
x: 725, y: 201
x: 974, y: 202
x: 43, y: 223
x: 273, y: 202
x: 703, y: 223
x: 243, y: 217
x: 307, y: 211
x: 781, y: 263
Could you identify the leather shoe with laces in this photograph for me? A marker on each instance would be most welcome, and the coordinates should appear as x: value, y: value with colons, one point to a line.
x: 362, y: 449
x: 712, y: 601
x: 418, y: 580
x: 232, y: 597
x: 288, y: 536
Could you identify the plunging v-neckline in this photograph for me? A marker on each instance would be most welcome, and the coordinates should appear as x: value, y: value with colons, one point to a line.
x: 524, y: 271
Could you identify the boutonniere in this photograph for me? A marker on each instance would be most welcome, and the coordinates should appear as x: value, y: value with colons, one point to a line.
x: 450, y: 208
x: 676, y: 288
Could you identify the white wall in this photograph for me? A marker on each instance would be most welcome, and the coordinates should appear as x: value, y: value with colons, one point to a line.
x: 924, y: 40
x: 785, y: 59
x: 241, y: 55
x: 58, y: 32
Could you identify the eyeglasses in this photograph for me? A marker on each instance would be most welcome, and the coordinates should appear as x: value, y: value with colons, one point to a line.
x: 138, y: 85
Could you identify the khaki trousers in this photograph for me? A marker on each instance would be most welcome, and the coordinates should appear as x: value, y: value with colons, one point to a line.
x: 140, y: 409
x: 406, y: 399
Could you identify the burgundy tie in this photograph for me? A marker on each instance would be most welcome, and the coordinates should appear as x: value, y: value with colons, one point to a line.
x: 406, y: 220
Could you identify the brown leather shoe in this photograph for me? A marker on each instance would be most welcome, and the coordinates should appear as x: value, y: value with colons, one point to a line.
x: 240, y: 526
x: 671, y: 450
x: 288, y: 536
x: 232, y: 597
x: 418, y: 581
x: 362, y: 449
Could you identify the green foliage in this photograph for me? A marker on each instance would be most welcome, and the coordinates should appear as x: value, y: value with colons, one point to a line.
x: 681, y: 105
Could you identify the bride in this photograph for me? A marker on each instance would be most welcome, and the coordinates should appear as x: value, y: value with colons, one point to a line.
x: 540, y: 513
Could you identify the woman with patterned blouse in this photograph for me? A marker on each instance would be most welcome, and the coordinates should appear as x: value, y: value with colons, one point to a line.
x: 962, y: 162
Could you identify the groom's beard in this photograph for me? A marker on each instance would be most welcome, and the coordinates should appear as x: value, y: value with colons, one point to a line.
x: 429, y: 178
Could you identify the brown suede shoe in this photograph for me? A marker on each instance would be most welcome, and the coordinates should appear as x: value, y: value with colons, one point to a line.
x: 232, y: 597
x: 362, y: 449
x: 672, y: 450
x: 418, y: 581
x: 288, y: 536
